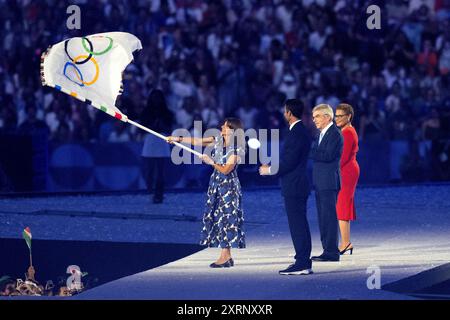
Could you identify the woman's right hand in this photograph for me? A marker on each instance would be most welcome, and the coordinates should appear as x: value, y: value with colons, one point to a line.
x: 172, y: 139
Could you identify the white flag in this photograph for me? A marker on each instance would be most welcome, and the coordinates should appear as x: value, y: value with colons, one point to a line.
x: 90, y: 68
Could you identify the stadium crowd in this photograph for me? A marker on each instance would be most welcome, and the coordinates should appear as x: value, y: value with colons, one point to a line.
x: 245, y: 57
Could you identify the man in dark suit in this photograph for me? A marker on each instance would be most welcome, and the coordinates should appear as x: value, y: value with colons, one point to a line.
x: 295, y: 186
x: 326, y: 154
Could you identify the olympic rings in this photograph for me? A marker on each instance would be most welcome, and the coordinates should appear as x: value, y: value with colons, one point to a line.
x: 76, y: 68
x: 80, y: 62
x: 97, y: 53
x: 97, y: 71
x: 82, y: 59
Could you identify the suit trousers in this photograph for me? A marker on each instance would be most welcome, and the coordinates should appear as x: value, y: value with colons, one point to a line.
x: 328, y: 223
x: 300, y: 233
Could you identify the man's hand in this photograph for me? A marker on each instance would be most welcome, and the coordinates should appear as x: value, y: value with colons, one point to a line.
x: 264, y: 170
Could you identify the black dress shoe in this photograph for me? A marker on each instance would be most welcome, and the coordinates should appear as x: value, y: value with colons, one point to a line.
x: 226, y: 264
x: 296, y: 270
x: 324, y: 257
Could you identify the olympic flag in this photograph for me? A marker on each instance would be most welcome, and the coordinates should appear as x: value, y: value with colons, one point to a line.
x: 90, y: 69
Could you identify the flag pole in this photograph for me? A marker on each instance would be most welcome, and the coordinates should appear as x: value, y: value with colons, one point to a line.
x: 124, y: 118
x: 113, y: 113
x: 163, y: 137
x: 119, y: 116
x: 31, y: 259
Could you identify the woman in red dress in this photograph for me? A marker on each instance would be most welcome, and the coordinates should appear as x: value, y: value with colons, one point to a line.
x: 345, y: 206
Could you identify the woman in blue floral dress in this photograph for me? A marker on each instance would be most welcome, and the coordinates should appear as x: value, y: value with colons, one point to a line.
x: 223, y: 217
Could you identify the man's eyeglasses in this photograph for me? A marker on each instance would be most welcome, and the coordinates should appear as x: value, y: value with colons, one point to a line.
x: 341, y: 115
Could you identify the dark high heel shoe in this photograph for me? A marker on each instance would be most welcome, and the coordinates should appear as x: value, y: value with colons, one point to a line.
x: 347, y: 249
x: 227, y: 264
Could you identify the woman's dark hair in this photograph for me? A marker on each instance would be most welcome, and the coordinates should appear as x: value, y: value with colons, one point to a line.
x: 348, y: 109
x: 238, y: 131
x: 156, y: 115
x: 295, y: 106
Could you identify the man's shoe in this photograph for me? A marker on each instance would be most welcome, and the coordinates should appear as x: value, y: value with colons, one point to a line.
x: 296, y: 270
x: 324, y: 257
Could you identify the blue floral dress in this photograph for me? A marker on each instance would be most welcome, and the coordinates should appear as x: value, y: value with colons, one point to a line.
x: 223, y: 218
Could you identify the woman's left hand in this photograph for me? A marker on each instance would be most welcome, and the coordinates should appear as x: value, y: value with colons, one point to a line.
x: 206, y: 159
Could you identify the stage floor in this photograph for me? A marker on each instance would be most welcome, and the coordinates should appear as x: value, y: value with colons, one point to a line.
x: 400, y: 232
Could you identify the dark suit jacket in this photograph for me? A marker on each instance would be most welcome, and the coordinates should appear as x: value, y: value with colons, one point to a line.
x: 293, y: 159
x: 326, y: 157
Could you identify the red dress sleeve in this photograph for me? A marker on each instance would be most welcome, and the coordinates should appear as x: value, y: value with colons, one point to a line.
x: 349, y: 142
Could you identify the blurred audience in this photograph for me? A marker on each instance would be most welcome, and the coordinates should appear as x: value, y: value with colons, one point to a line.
x: 31, y: 287
x: 220, y: 58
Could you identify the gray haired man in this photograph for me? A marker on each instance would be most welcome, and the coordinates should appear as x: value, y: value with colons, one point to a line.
x: 326, y: 154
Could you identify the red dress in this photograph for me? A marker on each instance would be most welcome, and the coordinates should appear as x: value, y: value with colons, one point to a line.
x: 345, y: 206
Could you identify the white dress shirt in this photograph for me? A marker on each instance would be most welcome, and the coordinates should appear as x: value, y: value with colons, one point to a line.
x: 293, y: 124
x: 322, y: 133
